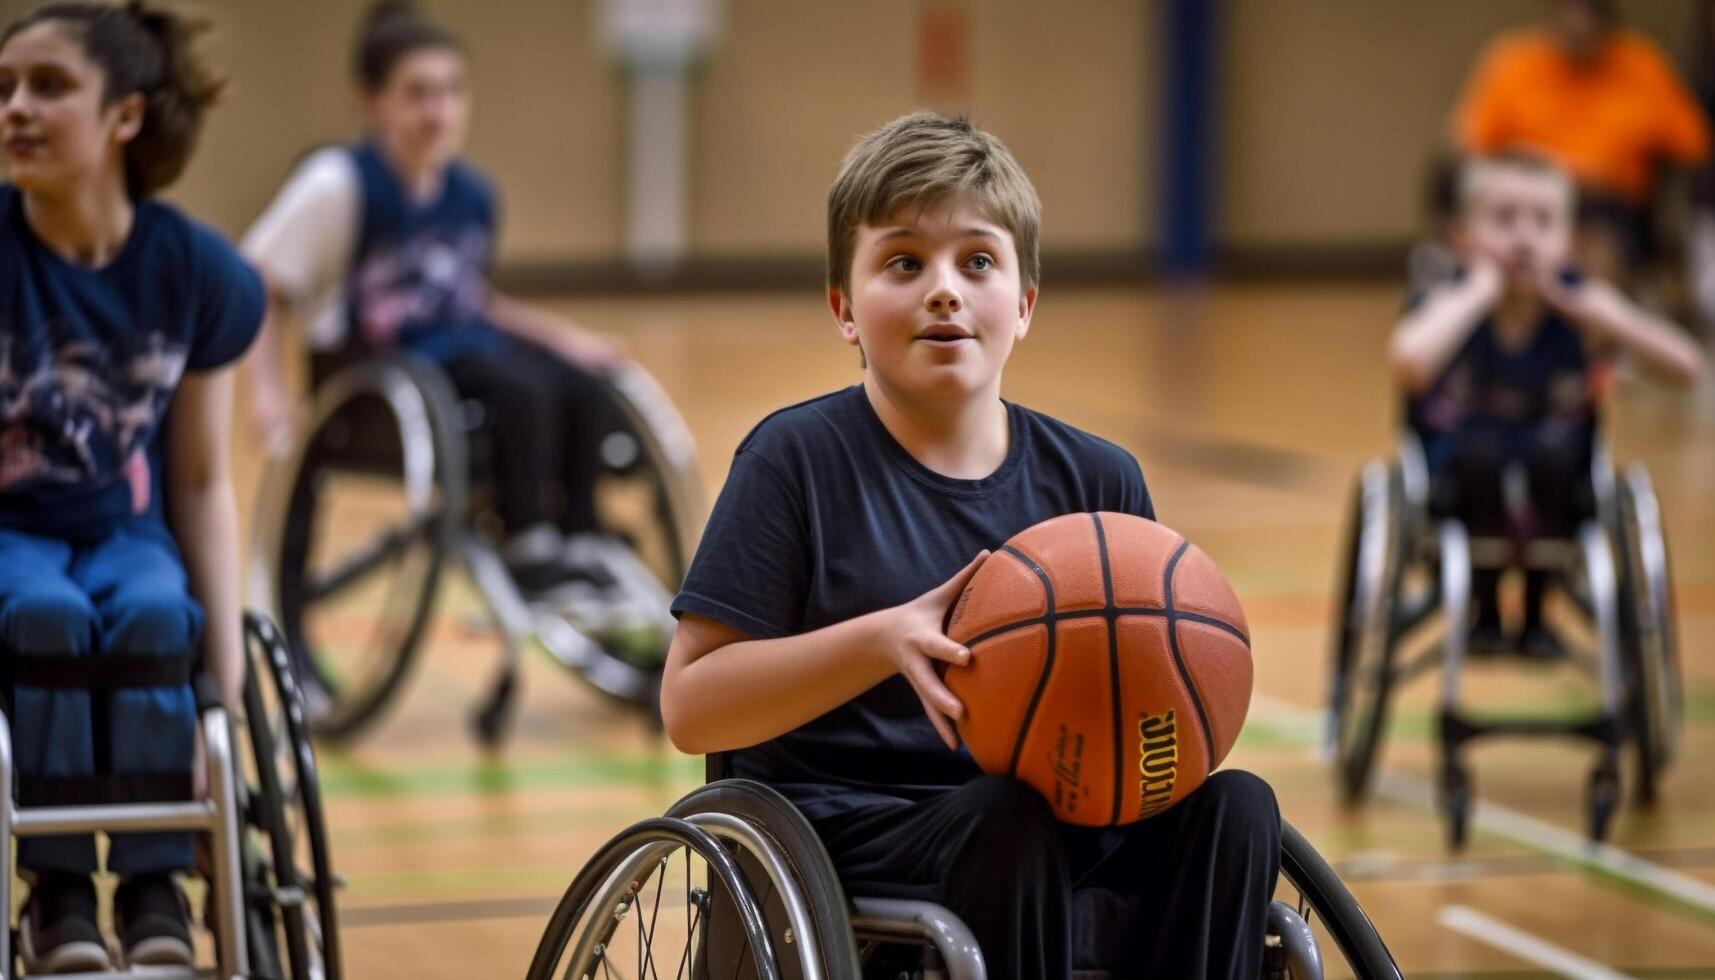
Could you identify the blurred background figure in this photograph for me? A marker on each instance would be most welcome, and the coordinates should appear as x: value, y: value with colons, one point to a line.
x: 1604, y: 102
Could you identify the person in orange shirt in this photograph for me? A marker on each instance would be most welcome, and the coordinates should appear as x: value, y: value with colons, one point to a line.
x: 1601, y: 100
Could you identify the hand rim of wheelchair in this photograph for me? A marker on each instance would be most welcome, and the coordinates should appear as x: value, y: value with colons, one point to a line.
x: 789, y: 856
x: 432, y: 460
x: 1362, y: 676
x: 277, y: 737
x: 1649, y: 620
x: 619, y: 869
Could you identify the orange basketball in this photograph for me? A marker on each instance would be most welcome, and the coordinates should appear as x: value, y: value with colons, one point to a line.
x: 1110, y: 666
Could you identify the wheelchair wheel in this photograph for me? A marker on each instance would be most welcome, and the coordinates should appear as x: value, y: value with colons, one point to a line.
x: 649, y: 498
x: 655, y: 501
x: 1315, y: 918
x: 797, y: 889
x: 643, y: 906
x: 1364, y: 636
x: 375, y: 499
x: 290, y: 910
x: 1656, y: 698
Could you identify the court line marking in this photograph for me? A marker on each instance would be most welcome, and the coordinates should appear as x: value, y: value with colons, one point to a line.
x: 1469, y: 922
x: 1502, y: 821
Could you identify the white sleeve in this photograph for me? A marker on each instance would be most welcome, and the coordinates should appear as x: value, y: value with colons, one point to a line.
x: 304, y: 241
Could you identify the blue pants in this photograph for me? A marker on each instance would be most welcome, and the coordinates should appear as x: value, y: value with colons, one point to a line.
x: 124, y: 594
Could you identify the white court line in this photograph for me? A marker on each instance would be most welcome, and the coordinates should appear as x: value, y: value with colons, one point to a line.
x: 1517, y: 942
x: 1513, y: 825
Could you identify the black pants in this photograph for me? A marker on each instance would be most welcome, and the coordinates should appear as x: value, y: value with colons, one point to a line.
x: 545, y: 419
x: 1183, y: 894
x: 1471, y: 487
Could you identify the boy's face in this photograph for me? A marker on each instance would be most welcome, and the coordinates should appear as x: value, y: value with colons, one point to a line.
x: 1522, y: 220
x: 935, y: 302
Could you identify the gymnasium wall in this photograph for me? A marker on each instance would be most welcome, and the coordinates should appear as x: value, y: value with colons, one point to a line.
x: 1328, y: 110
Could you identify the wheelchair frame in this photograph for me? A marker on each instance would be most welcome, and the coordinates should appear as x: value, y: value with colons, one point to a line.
x: 433, y: 433
x: 1393, y: 534
x: 775, y: 846
x: 223, y: 817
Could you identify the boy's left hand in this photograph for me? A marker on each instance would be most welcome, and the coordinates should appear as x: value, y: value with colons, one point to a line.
x: 1591, y: 302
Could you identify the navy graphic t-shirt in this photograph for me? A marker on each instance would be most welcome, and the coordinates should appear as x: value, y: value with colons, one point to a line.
x: 1506, y: 393
x: 824, y: 516
x: 420, y: 273
x: 90, y: 357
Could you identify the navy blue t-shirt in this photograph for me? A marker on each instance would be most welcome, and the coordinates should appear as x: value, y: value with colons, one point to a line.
x: 90, y: 358
x: 824, y: 517
x: 1508, y: 394
x: 419, y: 276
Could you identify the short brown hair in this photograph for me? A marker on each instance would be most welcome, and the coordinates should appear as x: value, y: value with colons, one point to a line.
x: 920, y: 160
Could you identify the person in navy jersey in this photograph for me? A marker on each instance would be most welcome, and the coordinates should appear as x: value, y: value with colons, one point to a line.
x: 386, y: 244
x: 1502, y: 364
x: 811, y: 637
x: 118, y: 526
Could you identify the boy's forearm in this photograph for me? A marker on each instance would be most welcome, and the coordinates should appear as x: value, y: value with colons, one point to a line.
x: 1428, y: 338
x: 211, y: 562
x: 750, y: 691
x: 1661, y: 344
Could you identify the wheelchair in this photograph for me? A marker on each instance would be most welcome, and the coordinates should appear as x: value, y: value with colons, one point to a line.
x: 733, y: 883
x: 1402, y: 565
x: 270, y: 889
x: 389, y: 483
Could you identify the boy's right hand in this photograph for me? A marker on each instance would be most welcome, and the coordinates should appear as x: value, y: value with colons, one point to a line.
x: 912, y: 640
x: 1486, y: 277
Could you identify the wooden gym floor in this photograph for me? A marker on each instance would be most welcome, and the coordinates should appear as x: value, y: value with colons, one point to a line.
x: 1251, y: 410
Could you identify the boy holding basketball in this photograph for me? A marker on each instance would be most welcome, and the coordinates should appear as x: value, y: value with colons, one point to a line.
x: 1502, y: 363
x: 811, y: 641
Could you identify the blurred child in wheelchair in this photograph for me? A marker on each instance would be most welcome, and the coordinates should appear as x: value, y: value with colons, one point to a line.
x: 386, y: 243
x: 1503, y: 363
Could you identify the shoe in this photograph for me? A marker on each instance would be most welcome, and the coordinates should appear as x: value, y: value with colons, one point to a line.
x: 1487, y: 640
x: 636, y: 598
x: 1541, y: 644
x: 57, y: 932
x: 153, y: 920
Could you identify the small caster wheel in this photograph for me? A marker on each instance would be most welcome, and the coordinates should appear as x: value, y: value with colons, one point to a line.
x: 1603, y: 800
x: 493, y: 720
x: 1456, y: 803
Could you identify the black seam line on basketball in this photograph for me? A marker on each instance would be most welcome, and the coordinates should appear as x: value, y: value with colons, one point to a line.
x: 1179, y: 659
x: 1113, y: 665
x: 1113, y: 614
x: 1047, y: 660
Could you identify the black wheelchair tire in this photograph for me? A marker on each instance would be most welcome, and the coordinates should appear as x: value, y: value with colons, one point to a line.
x: 769, y: 812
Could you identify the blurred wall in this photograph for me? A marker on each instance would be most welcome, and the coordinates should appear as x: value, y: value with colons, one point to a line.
x: 1329, y: 110
x: 1333, y: 108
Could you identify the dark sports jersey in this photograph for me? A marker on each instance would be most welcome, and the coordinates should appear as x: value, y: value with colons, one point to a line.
x: 824, y: 517
x: 419, y: 276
